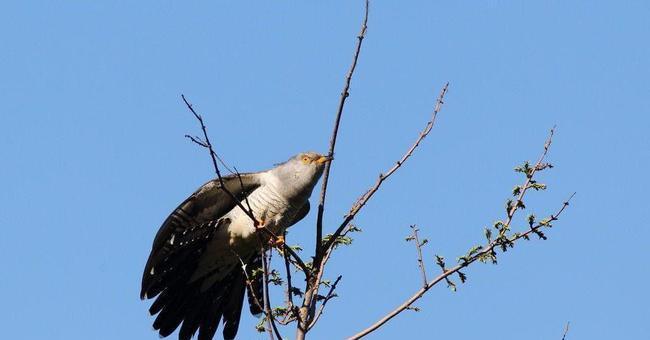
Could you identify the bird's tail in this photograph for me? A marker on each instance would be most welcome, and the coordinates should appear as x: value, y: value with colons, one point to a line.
x: 198, y: 310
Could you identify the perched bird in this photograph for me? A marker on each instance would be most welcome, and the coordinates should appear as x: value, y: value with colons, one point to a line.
x: 208, y: 246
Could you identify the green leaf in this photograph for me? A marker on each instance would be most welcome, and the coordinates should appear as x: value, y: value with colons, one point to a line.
x: 340, y: 240
x: 488, y: 235
x: 524, y: 168
x: 531, y: 220
x: 280, y: 311
x: 537, y: 186
x: 275, y: 278
x: 520, y: 205
x: 260, y: 327
x: 297, y: 292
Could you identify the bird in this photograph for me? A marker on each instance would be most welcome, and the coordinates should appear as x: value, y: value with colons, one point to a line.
x: 205, y: 253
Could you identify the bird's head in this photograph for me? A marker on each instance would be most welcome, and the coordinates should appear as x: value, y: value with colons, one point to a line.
x: 301, y: 172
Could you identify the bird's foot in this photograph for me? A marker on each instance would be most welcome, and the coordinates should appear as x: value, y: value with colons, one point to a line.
x: 278, y: 242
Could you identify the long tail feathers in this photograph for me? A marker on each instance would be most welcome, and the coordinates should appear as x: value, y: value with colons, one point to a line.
x: 200, y: 311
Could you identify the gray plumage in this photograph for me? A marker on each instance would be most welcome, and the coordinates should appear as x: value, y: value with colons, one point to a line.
x: 195, y: 265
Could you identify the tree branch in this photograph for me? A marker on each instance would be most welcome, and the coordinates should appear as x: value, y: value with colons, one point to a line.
x: 312, y: 284
x: 292, y: 308
x: 312, y: 287
x: 213, y: 155
x: 344, y: 95
x: 361, y: 202
x: 482, y: 253
x: 270, y: 318
x: 449, y: 272
x: 330, y: 295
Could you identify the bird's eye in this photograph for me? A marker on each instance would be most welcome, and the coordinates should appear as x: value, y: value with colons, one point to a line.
x: 305, y: 159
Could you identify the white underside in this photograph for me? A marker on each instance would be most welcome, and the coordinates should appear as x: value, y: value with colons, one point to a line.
x: 235, y: 244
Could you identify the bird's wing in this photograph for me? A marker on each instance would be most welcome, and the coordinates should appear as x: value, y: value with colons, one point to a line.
x: 304, y: 210
x: 192, y: 221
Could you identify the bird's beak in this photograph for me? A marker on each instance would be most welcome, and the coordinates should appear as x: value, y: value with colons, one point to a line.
x: 324, y: 159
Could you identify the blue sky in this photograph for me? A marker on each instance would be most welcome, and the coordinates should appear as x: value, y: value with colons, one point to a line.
x: 92, y: 125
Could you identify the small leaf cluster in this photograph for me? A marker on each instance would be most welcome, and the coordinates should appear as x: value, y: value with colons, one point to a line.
x: 275, y: 277
x: 342, y: 239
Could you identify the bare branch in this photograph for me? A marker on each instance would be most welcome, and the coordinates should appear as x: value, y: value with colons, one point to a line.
x: 197, y: 140
x: 248, y: 282
x: 241, y: 185
x: 344, y: 95
x: 213, y: 155
x: 361, y: 202
x: 311, y: 289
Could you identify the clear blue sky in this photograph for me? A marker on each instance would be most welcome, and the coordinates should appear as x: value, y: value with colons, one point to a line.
x: 91, y: 141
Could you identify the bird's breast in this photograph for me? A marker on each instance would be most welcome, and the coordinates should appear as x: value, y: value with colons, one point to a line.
x: 268, y: 207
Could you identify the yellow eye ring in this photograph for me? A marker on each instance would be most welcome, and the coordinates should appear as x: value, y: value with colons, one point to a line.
x: 305, y: 159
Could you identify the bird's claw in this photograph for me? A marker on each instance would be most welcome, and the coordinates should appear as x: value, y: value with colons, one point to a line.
x: 278, y: 242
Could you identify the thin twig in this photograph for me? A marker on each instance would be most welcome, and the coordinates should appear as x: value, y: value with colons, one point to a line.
x: 270, y: 318
x: 311, y: 287
x: 330, y: 295
x: 241, y: 185
x: 566, y: 330
x: 289, y: 293
x: 249, y: 284
x: 206, y: 143
x: 418, y: 246
x: 360, y: 203
x: 529, y: 177
x: 337, y: 121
